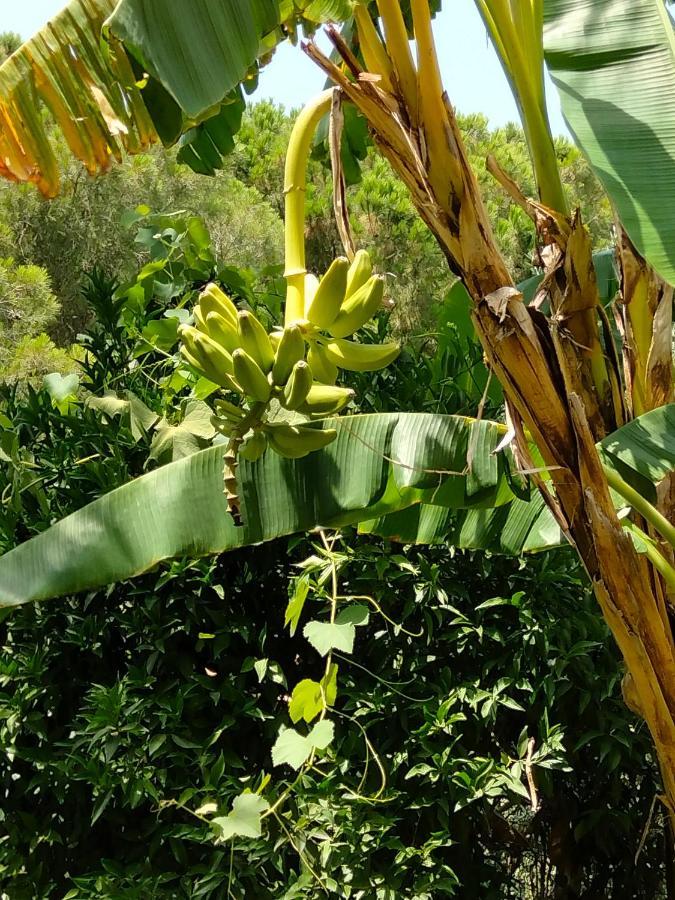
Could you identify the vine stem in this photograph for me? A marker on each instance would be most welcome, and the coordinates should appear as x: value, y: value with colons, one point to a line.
x: 648, y: 512
x: 295, y: 187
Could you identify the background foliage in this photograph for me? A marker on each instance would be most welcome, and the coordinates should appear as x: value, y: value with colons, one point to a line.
x: 118, y: 708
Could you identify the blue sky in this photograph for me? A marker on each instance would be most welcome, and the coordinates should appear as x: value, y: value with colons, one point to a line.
x: 471, y: 70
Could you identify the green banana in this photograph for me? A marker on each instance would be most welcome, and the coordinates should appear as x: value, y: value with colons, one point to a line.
x: 322, y: 368
x: 311, y: 286
x: 212, y: 299
x: 298, y: 386
x: 357, y: 309
x: 291, y: 349
x: 228, y: 410
x: 296, y: 441
x: 253, y: 446
x: 188, y: 357
x: 254, y: 340
x: 250, y: 376
x: 324, y: 307
x: 215, y: 362
x: 275, y: 338
x: 200, y: 321
x: 325, y: 400
x: 222, y: 331
x: 360, y: 357
x: 359, y: 272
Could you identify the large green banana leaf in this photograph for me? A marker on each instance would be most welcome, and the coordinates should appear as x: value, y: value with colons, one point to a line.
x: 642, y: 452
x: 378, y: 464
x: 613, y: 62
x: 388, y: 472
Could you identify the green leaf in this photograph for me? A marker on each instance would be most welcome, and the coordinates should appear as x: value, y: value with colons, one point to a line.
x: 296, y: 604
x: 643, y: 451
x: 141, y: 419
x: 327, y: 636
x: 613, y: 62
x: 180, y: 509
x: 338, y: 635
x: 306, y: 701
x: 357, y: 614
x: 295, y: 749
x: 244, y: 820
x: 178, y: 441
x: 62, y: 389
x: 199, y: 50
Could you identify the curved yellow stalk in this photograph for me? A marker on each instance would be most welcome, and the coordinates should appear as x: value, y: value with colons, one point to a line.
x: 295, y: 184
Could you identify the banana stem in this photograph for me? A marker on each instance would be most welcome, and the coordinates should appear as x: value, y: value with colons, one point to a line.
x: 648, y: 512
x: 523, y: 63
x: 295, y: 184
x: 374, y: 54
x: 398, y: 49
x: 654, y: 555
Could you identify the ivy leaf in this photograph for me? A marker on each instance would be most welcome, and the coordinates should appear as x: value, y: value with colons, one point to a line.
x: 306, y: 701
x: 338, y: 635
x: 329, y: 684
x: 296, y: 604
x: 309, y: 697
x: 244, y: 820
x: 321, y: 736
x: 353, y: 615
x: 294, y: 748
x: 327, y: 636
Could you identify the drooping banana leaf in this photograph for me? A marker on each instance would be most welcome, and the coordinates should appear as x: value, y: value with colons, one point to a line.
x: 94, y: 100
x: 522, y: 526
x: 642, y: 453
x: 613, y: 62
x: 378, y: 464
x: 183, y: 64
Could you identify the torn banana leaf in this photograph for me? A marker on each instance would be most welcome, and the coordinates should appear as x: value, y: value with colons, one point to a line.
x: 377, y: 464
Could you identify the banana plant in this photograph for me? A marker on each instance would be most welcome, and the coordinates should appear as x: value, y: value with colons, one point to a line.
x: 571, y: 387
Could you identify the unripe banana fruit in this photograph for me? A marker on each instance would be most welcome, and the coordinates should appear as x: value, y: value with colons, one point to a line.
x: 228, y: 410
x: 322, y: 368
x: 250, y: 376
x: 296, y: 441
x: 359, y: 307
x: 222, y: 331
x: 298, y: 386
x: 291, y: 349
x: 254, y: 340
x: 360, y: 357
x: 207, y: 356
x: 212, y: 299
x: 325, y: 305
x: 253, y: 446
x: 359, y: 272
x: 311, y: 287
x: 326, y: 400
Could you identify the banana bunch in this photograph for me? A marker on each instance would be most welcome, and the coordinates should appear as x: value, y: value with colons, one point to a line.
x: 231, y: 348
x: 342, y: 302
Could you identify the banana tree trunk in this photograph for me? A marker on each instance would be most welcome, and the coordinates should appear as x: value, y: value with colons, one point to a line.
x: 560, y: 375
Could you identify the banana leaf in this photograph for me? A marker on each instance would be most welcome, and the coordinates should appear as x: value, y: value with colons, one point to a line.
x: 613, y: 62
x: 180, y: 74
x: 377, y: 464
x: 642, y: 452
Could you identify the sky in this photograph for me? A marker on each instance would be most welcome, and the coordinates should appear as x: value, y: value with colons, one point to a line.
x: 471, y: 71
